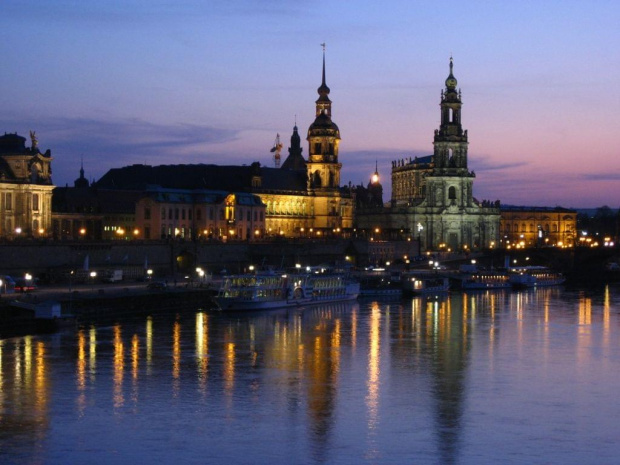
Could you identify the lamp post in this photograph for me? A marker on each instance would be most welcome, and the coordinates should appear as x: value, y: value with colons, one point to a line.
x: 420, y: 228
x: 93, y: 275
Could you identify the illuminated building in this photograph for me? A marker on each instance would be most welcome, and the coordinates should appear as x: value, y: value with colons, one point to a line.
x: 301, y: 198
x: 432, y: 196
x: 203, y: 214
x: 25, y: 188
x: 537, y: 226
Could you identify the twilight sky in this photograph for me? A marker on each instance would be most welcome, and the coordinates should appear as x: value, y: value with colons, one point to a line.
x: 212, y: 81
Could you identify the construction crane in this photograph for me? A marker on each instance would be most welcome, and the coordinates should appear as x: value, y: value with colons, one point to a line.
x: 276, y: 149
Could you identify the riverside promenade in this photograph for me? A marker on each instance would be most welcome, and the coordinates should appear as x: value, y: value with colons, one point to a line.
x: 83, y: 303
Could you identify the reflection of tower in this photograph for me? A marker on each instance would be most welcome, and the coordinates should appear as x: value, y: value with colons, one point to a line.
x: 447, y: 332
x: 323, y: 139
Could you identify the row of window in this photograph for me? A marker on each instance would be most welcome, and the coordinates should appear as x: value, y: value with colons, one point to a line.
x: 6, y: 200
x: 286, y: 208
x: 181, y: 214
x: 524, y: 228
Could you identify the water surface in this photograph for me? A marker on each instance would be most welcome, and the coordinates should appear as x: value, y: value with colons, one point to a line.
x: 503, y: 377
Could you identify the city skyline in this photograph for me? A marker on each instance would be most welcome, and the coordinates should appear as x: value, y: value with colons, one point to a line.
x: 128, y: 82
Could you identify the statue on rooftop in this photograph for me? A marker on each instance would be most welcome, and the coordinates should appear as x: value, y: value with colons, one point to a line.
x: 33, y: 138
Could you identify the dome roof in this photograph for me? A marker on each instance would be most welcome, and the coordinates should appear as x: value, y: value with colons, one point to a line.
x: 323, y: 123
x: 451, y: 81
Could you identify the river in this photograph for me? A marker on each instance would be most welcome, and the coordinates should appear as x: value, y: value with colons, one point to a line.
x: 506, y: 377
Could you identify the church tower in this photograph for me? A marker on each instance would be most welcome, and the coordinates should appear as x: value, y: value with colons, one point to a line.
x: 450, y: 143
x: 450, y: 183
x: 323, y: 139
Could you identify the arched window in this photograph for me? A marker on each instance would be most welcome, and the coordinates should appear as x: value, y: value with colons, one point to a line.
x: 317, y: 178
x: 452, y: 193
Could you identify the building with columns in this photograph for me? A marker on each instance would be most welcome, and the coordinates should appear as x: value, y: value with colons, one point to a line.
x: 524, y: 227
x: 432, y: 196
x: 25, y: 188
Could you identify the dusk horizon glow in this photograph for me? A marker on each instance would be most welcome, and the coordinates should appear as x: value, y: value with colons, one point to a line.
x: 127, y: 82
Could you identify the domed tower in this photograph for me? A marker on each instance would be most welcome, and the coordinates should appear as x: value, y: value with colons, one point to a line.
x: 450, y: 143
x: 375, y: 189
x: 295, y: 160
x: 81, y: 182
x: 323, y: 139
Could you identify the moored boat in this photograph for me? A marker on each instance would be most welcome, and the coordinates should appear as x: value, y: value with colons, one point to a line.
x: 418, y: 282
x: 380, y: 287
x: 261, y: 292
x: 533, y: 276
x: 485, y: 280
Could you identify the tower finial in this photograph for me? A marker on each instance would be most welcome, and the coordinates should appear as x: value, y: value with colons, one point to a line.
x: 323, y: 90
x: 451, y: 81
x: 323, y: 45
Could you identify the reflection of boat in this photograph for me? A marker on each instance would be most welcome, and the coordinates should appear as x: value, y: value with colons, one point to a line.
x: 258, y: 291
x: 534, y: 276
x: 419, y: 282
x: 485, y: 280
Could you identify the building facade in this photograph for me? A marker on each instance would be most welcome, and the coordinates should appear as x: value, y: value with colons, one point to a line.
x: 199, y: 214
x: 523, y: 227
x: 432, y: 196
x: 301, y: 198
x: 25, y: 188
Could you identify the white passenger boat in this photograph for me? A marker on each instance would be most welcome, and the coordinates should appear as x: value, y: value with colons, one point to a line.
x: 261, y: 292
x: 534, y: 276
x: 417, y: 283
x: 485, y: 280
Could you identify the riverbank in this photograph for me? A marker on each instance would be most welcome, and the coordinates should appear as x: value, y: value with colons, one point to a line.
x: 82, y: 306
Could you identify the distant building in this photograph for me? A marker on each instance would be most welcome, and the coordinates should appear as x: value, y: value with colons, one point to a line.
x: 537, y: 226
x: 25, y: 188
x: 432, y: 196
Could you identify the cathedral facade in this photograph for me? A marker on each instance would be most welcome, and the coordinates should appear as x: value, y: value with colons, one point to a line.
x: 432, y: 197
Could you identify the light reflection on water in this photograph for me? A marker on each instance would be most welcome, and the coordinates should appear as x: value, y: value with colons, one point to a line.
x: 526, y: 377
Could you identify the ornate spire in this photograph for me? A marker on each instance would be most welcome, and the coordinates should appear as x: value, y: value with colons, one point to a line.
x: 451, y: 81
x: 375, y: 177
x: 323, y: 90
